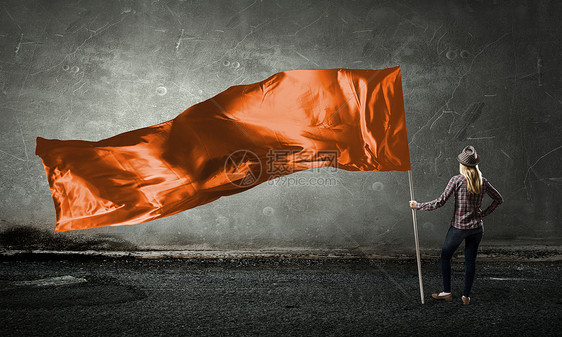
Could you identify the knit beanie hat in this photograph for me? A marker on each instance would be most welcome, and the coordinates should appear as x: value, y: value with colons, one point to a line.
x: 468, y: 156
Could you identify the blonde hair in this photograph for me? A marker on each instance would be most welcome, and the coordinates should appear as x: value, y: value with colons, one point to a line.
x: 473, y: 178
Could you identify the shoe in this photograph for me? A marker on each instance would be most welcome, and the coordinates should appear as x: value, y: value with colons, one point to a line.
x: 448, y: 297
x: 465, y: 300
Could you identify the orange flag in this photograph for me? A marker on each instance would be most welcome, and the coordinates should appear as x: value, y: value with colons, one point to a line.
x: 351, y: 119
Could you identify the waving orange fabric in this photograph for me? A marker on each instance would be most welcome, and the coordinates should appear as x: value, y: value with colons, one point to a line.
x: 224, y: 145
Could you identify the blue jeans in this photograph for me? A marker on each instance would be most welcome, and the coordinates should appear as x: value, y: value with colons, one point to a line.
x: 453, y: 240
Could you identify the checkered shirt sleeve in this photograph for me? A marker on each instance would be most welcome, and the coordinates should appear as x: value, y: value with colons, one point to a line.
x: 494, y: 194
x: 452, y: 186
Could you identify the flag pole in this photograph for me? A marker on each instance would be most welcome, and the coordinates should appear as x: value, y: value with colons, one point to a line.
x: 416, y: 236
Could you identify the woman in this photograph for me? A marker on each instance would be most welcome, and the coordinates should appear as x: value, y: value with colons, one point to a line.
x: 469, y: 188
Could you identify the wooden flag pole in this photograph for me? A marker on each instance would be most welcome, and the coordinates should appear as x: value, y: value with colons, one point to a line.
x: 416, y: 236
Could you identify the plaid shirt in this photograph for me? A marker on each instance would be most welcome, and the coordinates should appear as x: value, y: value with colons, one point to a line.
x: 468, y: 214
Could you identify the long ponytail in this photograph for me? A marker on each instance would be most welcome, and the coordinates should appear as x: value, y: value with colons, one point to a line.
x: 473, y: 178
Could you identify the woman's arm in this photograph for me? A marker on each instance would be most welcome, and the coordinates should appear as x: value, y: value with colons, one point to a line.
x: 494, y: 194
x: 440, y: 201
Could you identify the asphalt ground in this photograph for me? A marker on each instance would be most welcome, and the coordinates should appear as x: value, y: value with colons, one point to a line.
x: 70, y: 295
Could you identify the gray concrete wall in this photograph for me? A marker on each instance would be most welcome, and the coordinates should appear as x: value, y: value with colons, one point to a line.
x: 486, y: 73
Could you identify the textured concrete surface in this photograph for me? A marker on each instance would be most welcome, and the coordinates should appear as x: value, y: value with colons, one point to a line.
x: 485, y: 73
x: 54, y: 296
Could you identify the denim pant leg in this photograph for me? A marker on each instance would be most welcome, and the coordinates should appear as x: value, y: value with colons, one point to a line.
x: 471, y: 244
x: 452, y: 242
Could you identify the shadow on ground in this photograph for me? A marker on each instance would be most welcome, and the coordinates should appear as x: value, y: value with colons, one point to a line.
x: 29, y: 238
